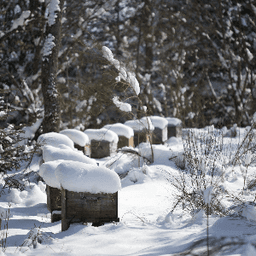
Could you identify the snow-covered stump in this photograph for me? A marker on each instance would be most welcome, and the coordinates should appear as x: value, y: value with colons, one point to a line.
x: 89, y: 193
x: 174, y: 127
x: 54, y: 202
x: 103, y: 142
x: 159, y: 135
x: 125, y: 134
x: 142, y: 128
x: 80, y: 139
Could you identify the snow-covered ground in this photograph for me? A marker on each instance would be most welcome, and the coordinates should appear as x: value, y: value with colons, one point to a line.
x: 146, y: 227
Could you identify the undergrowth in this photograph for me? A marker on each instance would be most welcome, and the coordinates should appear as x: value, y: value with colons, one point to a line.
x: 207, y: 156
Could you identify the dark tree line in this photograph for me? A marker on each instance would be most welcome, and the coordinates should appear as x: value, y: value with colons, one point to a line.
x: 195, y: 60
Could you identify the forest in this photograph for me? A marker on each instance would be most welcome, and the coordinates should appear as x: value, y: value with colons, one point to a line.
x: 194, y: 60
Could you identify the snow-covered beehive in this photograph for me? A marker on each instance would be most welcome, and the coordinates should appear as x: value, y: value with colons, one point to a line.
x: 142, y: 129
x: 80, y: 139
x: 124, y: 133
x: 89, y: 193
x: 103, y: 142
x: 55, y: 139
x: 174, y: 127
x: 160, y: 131
x: 55, y: 149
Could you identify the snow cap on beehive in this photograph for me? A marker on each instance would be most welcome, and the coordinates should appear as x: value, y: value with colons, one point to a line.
x: 141, y: 124
x: 173, y: 121
x: 159, y: 122
x: 55, y: 139
x: 80, y: 177
x: 78, y: 137
x: 102, y: 134
x: 47, y: 172
x: 120, y: 130
x: 63, y: 152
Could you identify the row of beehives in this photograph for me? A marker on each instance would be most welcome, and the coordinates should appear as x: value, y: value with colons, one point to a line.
x: 105, y: 141
x: 78, y: 190
x: 83, y: 206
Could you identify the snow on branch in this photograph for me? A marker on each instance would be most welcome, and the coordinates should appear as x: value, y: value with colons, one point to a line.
x: 121, y: 105
x: 123, y: 73
x: 53, y: 8
x: 21, y: 20
x: 48, y: 45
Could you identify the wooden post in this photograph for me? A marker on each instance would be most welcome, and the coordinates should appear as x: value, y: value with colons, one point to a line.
x: 64, y: 221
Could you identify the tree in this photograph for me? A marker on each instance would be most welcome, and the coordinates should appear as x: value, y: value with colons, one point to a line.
x: 51, y: 122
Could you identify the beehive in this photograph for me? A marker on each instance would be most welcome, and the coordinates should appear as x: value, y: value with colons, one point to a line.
x: 80, y: 139
x: 103, y: 142
x: 159, y: 134
x: 87, y: 207
x: 125, y: 134
x: 174, y: 127
x: 88, y: 193
x: 142, y: 130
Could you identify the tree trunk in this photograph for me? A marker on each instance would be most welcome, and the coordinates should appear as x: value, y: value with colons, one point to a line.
x: 51, y: 120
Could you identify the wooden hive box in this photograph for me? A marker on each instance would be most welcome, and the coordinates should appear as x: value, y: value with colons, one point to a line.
x: 103, y: 142
x: 86, y: 207
x: 85, y: 149
x: 125, y: 142
x: 102, y: 148
x: 142, y: 130
x: 80, y: 139
x: 174, y: 127
x: 141, y: 136
x: 159, y: 135
x: 54, y: 202
x: 125, y: 134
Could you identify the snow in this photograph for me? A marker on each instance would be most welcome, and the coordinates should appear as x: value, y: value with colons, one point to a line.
x: 102, y: 134
x: 147, y: 226
x: 48, y: 45
x: 120, y: 130
x: 29, y: 131
x: 55, y: 139
x: 47, y: 172
x: 53, y: 8
x: 78, y: 137
x: 127, y: 76
x: 64, y: 152
x: 21, y: 20
x: 140, y: 124
x: 126, y: 107
x: 159, y: 122
x: 173, y: 121
x: 80, y: 177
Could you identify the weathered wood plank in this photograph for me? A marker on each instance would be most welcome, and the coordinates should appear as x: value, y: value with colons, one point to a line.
x: 53, y: 198
x: 87, y: 207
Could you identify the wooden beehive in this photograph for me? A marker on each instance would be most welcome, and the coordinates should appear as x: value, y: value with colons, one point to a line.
x: 86, y: 207
x: 175, y: 130
x: 141, y: 136
x: 174, y: 127
x: 159, y: 135
x: 86, y: 149
x: 125, y: 142
x: 53, y: 202
x: 102, y: 148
